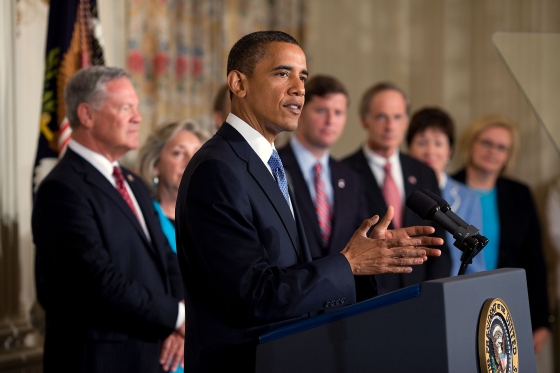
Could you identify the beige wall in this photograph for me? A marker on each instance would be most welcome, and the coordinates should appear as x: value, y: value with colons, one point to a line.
x: 440, y: 52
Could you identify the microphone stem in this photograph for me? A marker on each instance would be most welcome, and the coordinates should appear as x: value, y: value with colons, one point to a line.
x: 463, y: 268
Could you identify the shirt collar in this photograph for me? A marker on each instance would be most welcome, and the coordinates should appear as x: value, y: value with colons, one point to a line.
x: 100, y: 162
x: 305, y: 159
x: 377, y: 160
x: 442, y: 180
x: 256, y: 141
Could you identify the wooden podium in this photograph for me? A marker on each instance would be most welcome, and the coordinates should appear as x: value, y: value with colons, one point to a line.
x: 432, y: 327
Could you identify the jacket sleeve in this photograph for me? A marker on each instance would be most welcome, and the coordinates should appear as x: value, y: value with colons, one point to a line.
x: 533, y: 261
x: 232, y: 240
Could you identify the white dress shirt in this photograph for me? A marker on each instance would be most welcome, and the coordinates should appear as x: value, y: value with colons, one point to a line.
x: 376, y: 163
x: 257, y: 142
x: 307, y: 162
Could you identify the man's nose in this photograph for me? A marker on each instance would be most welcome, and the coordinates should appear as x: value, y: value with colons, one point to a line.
x: 298, y: 87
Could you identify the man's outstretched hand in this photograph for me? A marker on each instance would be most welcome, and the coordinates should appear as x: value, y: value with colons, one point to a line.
x: 389, y: 251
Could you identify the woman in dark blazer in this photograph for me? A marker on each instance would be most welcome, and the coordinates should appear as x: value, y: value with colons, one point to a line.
x: 509, y: 217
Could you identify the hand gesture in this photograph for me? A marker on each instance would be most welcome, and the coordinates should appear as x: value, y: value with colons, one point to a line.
x: 389, y: 251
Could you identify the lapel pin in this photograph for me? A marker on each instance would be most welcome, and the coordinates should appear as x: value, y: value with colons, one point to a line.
x: 412, y: 180
x: 341, y: 183
x: 130, y: 178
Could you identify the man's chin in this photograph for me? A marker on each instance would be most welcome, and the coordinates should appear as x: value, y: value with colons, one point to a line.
x: 288, y: 127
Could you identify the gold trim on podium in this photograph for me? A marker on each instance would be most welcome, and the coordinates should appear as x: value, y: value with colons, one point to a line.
x: 497, y: 340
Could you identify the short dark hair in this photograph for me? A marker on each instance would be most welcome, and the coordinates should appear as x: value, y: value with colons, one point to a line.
x: 431, y: 117
x: 322, y: 85
x: 250, y: 49
x: 380, y: 87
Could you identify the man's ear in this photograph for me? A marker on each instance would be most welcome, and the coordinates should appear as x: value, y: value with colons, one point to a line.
x: 363, y: 123
x: 85, y: 114
x: 237, y: 82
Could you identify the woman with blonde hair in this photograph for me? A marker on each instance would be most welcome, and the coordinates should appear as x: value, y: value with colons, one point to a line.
x: 161, y: 163
x: 509, y: 217
x: 163, y: 159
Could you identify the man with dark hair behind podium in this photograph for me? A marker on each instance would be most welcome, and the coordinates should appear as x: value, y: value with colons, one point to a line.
x: 242, y: 249
x: 329, y: 194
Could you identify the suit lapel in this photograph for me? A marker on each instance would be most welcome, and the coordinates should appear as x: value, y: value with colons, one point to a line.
x: 305, y: 202
x: 93, y: 177
x: 149, y: 214
x: 264, y: 178
x: 338, y: 209
x: 373, y: 191
x: 410, y: 180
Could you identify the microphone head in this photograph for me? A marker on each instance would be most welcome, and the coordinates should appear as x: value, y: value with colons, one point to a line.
x: 443, y: 205
x: 422, y: 205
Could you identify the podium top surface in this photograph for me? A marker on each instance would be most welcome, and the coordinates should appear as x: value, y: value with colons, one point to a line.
x: 374, y: 303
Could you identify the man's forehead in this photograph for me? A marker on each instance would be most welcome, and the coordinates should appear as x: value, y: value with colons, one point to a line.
x: 284, y: 54
x: 388, y: 97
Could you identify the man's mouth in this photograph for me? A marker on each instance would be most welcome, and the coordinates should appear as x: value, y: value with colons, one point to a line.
x: 294, y: 108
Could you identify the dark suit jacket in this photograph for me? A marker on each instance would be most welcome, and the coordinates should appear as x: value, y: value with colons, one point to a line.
x: 521, y: 242
x: 416, y: 176
x: 111, y: 295
x: 244, y: 259
x: 349, y: 211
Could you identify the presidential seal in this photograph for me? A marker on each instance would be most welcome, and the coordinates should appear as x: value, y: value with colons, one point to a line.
x: 497, y: 341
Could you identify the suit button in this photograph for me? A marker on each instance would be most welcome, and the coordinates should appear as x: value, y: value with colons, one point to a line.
x: 342, y: 300
x: 327, y: 305
x: 337, y: 302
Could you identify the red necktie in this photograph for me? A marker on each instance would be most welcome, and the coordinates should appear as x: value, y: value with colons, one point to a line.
x: 119, y: 178
x: 392, y: 195
x: 322, y: 206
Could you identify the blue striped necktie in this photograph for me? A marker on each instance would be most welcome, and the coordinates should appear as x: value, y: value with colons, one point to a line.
x: 278, y: 171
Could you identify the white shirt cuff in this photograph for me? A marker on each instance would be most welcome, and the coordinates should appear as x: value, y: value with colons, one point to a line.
x: 180, y: 316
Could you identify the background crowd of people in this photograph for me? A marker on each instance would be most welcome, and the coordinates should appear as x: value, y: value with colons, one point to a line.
x: 138, y: 297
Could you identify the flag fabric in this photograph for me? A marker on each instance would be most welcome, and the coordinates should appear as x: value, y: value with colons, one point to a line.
x: 72, y: 43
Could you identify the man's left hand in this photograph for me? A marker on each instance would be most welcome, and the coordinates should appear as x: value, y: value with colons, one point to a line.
x: 381, y: 231
x: 172, y: 352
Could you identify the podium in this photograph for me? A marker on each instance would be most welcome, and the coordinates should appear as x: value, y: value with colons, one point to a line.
x: 431, y: 327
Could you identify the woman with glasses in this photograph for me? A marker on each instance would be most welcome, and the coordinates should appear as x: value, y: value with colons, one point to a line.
x: 509, y: 217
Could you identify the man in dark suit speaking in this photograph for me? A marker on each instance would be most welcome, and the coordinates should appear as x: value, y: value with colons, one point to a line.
x: 105, y: 274
x: 241, y: 245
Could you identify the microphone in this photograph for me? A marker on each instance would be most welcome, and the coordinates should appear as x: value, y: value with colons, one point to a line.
x: 467, y: 237
x: 444, y: 206
x: 428, y: 209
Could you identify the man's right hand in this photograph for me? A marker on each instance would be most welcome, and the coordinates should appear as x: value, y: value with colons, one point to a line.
x: 389, y: 251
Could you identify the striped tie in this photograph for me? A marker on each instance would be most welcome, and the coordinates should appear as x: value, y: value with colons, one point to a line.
x: 322, y: 205
x: 121, y: 188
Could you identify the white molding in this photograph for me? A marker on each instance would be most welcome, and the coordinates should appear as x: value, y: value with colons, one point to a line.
x: 8, y: 192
